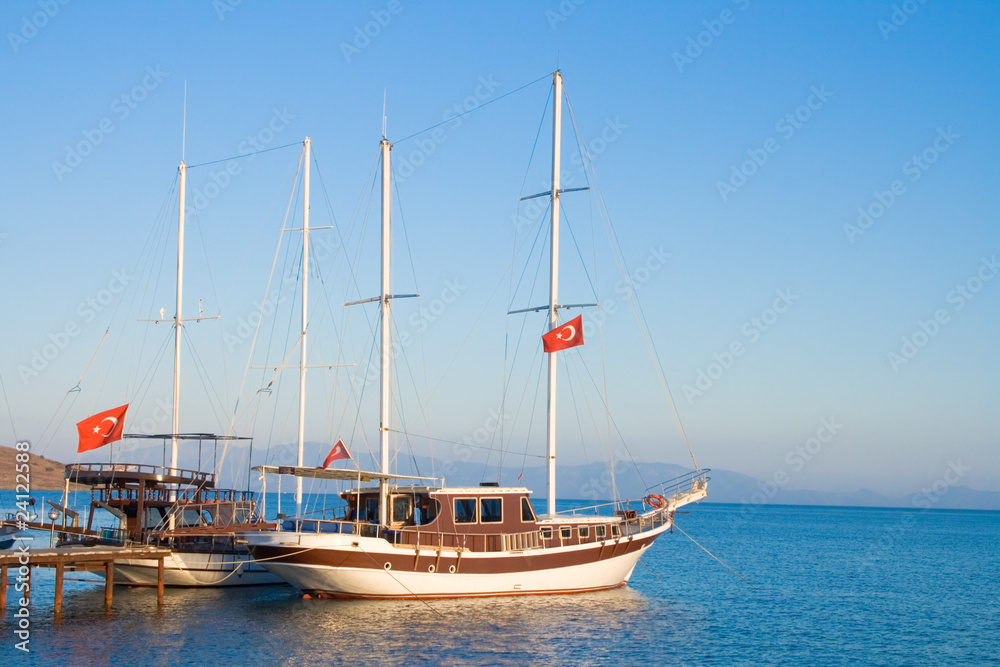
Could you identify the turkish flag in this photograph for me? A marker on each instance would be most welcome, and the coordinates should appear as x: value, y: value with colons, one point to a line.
x: 567, y: 335
x: 338, y: 452
x: 101, y: 429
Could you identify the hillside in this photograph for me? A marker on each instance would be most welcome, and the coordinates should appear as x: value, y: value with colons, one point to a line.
x: 44, y: 474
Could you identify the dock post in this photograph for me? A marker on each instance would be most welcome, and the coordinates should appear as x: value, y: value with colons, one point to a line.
x: 159, y: 582
x: 57, y: 603
x: 3, y: 589
x: 27, y: 589
x: 109, y: 582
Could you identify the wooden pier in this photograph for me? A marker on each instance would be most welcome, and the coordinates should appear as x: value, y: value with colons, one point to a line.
x: 71, y: 559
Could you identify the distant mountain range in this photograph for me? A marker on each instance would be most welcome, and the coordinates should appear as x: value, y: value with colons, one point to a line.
x: 594, y: 482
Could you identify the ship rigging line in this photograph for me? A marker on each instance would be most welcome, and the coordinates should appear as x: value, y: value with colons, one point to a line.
x: 415, y: 596
x: 674, y: 525
x: 10, y: 415
x: 245, y: 155
x: 637, y: 311
x: 465, y: 113
x: 455, y: 442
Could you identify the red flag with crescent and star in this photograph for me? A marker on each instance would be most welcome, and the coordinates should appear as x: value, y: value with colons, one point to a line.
x: 338, y: 452
x: 101, y: 429
x: 564, y: 336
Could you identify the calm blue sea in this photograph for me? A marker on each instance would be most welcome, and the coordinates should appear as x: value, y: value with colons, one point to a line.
x: 833, y: 586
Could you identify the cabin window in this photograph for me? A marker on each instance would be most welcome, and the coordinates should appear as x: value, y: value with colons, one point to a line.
x: 402, y: 509
x: 527, y: 512
x: 565, y: 532
x: 547, y: 533
x: 427, y: 509
x: 584, y: 532
x: 465, y: 510
x: 491, y: 510
x: 615, y: 530
x: 371, y: 509
x: 599, y: 532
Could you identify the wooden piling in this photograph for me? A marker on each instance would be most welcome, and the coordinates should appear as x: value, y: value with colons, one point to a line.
x: 109, y: 583
x: 57, y: 603
x: 159, y: 583
x: 3, y: 589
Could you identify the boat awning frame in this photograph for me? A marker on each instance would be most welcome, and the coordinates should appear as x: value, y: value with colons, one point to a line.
x: 335, y: 473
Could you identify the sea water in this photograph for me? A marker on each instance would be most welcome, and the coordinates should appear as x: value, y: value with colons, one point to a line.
x: 827, y: 586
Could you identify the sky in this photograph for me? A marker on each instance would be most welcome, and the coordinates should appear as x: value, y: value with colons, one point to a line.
x: 804, y: 196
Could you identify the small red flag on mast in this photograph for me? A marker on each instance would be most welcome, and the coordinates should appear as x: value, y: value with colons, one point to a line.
x: 338, y: 452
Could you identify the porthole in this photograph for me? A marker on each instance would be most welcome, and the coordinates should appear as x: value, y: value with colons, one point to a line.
x: 388, y: 566
x: 451, y: 569
x: 430, y: 568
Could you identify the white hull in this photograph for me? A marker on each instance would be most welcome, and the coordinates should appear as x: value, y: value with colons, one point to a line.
x: 196, y: 569
x: 474, y: 574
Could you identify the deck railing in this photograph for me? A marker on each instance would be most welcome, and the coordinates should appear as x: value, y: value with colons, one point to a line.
x: 73, y: 470
x: 682, y: 487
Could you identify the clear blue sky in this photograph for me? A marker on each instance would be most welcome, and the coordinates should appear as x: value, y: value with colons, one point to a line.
x: 825, y: 108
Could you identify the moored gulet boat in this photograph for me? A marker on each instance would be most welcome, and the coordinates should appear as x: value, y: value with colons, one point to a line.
x: 178, y: 509
x: 400, y: 539
x: 168, y: 506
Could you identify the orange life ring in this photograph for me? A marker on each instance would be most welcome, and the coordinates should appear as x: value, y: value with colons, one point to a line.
x: 655, y: 501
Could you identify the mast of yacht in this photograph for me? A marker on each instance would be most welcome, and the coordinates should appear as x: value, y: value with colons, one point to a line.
x: 383, y: 426
x: 175, y: 412
x: 305, y: 322
x: 554, y: 291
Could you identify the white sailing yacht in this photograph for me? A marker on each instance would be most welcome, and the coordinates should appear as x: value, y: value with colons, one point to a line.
x: 411, y: 537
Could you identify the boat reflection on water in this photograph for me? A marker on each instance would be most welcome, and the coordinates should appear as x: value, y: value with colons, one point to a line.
x: 274, y: 626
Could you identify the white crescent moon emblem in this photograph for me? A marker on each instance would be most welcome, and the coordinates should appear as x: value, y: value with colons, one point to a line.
x: 569, y: 337
x: 114, y: 423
